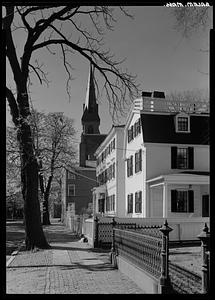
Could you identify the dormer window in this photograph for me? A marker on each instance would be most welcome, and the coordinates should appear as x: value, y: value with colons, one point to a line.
x: 182, y: 123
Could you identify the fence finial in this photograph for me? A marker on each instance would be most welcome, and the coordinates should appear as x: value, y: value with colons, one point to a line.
x: 204, y: 237
x: 165, y: 229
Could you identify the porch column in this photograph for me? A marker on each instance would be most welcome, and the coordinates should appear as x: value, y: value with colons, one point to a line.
x: 165, y: 201
x: 147, y: 201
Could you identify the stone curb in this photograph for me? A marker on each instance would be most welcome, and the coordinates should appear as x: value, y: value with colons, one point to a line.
x: 13, y: 254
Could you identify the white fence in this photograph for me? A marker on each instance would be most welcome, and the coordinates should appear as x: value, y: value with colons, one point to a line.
x: 88, y: 230
x: 183, y: 229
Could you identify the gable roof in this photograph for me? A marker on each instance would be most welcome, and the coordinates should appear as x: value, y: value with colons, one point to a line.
x: 160, y: 128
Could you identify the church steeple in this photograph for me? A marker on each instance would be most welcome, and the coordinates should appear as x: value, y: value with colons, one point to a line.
x: 90, y: 119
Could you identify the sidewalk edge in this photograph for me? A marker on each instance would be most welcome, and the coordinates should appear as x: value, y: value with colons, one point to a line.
x: 13, y: 254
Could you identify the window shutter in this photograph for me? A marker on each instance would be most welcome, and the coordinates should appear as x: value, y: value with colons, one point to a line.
x: 140, y: 160
x: 173, y: 157
x: 174, y: 200
x: 131, y: 165
x: 135, y: 163
x: 190, y: 201
x: 136, y: 196
x: 128, y: 136
x: 131, y: 199
x: 190, y: 158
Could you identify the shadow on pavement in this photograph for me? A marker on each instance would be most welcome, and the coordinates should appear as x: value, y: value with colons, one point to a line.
x: 92, y: 267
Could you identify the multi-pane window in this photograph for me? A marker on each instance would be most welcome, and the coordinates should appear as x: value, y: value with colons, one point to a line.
x: 107, y: 174
x: 110, y: 203
x: 130, y: 203
x: 182, y: 123
x: 71, y: 190
x: 130, y: 166
x: 106, y: 152
x: 182, y: 201
x: 101, y: 205
x: 138, y: 161
x: 138, y: 202
x: 134, y: 130
x: 182, y: 158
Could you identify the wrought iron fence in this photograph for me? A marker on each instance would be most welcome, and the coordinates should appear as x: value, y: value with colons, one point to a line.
x: 104, y: 235
x: 141, y: 249
x: 104, y: 231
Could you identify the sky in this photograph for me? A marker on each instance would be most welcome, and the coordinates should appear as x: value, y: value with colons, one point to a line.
x: 154, y: 51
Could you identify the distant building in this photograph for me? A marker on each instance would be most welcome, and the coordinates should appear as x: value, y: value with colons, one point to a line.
x: 108, y: 197
x: 78, y: 181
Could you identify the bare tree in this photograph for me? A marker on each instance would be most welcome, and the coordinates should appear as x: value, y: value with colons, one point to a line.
x: 44, y: 28
x: 192, y: 20
x: 53, y: 136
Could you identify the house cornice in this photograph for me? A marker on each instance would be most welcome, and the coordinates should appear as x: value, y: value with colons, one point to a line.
x: 180, y: 145
x: 113, y: 131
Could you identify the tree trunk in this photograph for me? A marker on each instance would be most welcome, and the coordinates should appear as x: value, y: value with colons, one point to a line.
x: 34, y: 235
x: 46, y: 219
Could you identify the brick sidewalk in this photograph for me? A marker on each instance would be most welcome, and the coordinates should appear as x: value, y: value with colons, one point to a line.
x: 69, y: 267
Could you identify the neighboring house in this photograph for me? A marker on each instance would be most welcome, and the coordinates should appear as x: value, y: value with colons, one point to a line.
x: 166, y: 151
x: 78, y: 181
x: 108, y: 197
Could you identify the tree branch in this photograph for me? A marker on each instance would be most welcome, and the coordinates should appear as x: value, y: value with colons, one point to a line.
x: 36, y: 73
x: 13, y: 106
x: 10, y: 48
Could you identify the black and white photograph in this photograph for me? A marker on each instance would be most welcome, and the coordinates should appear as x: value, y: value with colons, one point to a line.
x: 107, y: 148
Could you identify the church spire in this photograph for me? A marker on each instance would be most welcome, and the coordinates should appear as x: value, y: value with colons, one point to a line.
x: 90, y: 119
x: 90, y: 94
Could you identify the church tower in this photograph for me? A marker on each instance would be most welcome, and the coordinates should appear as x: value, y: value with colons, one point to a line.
x: 90, y: 119
x: 90, y: 137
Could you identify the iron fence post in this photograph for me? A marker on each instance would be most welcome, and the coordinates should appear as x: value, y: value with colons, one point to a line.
x: 113, y: 254
x: 204, y: 237
x: 164, y: 279
x: 96, y: 240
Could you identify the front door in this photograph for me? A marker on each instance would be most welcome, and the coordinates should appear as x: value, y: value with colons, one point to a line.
x: 205, y: 206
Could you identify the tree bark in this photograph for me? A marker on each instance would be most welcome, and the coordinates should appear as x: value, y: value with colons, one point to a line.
x: 46, y: 218
x: 34, y: 235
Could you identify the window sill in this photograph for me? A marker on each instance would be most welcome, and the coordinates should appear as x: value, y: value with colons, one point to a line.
x: 138, y: 172
x: 177, y: 131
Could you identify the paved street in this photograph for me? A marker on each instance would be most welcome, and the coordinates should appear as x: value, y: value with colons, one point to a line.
x: 69, y: 267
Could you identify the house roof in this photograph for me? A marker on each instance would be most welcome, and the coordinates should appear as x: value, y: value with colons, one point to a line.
x: 160, y: 128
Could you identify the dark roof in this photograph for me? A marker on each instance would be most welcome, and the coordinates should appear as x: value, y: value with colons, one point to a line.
x: 161, y: 129
x: 92, y: 141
